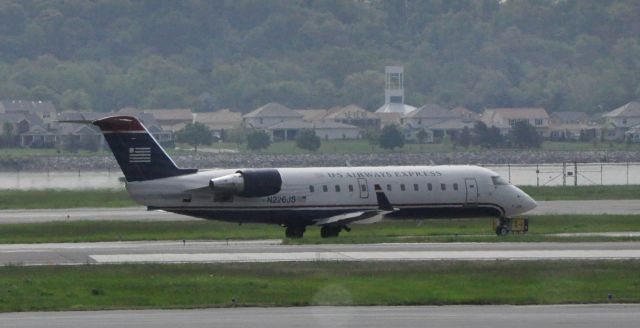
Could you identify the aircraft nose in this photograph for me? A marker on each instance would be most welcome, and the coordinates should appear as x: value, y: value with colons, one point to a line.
x: 528, y: 202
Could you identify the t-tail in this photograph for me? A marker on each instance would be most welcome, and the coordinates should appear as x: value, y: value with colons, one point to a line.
x: 138, y: 153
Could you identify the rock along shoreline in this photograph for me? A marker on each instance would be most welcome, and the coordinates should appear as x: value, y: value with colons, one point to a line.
x: 65, y: 163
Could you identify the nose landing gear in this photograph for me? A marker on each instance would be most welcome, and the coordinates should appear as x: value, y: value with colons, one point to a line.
x: 504, y: 226
x: 502, y: 230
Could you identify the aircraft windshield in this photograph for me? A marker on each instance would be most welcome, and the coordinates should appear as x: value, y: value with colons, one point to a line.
x: 499, y: 181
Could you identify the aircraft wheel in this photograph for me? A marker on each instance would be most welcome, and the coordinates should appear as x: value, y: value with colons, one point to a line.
x: 502, y: 230
x: 294, y: 232
x: 329, y: 231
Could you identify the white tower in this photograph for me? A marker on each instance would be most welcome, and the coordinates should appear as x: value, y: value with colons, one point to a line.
x: 394, y: 92
x: 394, y: 85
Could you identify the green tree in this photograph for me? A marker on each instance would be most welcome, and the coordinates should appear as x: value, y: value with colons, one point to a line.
x: 421, y: 136
x: 373, y: 137
x: 524, y: 135
x: 307, y: 139
x: 487, y: 137
x: 195, y: 134
x: 480, y: 135
x: 391, y: 137
x: 464, y: 138
x: 258, y: 139
x: 75, y: 100
x: 7, y: 134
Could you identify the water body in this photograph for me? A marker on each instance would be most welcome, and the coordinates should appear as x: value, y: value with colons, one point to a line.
x: 523, y: 175
x: 61, y: 180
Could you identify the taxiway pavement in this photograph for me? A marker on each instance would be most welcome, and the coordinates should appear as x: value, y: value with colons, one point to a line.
x: 503, y: 316
x: 273, y: 251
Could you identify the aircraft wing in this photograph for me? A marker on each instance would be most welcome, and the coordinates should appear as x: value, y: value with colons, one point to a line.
x: 384, y: 207
x: 348, y: 217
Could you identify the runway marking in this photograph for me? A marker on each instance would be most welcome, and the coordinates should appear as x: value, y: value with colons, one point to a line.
x: 370, y: 256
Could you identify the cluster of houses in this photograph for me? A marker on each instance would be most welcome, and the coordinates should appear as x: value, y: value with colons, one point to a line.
x: 35, y: 123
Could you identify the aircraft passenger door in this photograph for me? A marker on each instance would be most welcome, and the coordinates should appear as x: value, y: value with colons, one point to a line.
x: 472, y: 191
x: 364, y: 189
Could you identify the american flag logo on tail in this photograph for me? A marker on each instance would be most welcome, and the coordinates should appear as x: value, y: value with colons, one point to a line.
x: 140, y: 155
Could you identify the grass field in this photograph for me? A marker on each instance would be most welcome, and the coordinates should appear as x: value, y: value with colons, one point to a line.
x: 34, y: 199
x: 388, y: 231
x: 316, y: 283
x: 582, y: 192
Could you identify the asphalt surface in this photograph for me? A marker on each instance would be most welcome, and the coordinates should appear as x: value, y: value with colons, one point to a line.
x: 273, y: 251
x: 141, y: 214
x: 567, y: 316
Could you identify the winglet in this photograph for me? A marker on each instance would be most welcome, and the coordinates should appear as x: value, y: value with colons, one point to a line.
x: 383, y: 201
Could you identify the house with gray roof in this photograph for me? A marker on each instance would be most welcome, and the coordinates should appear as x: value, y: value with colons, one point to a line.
x: 572, y: 126
x: 354, y: 115
x: 312, y: 114
x: 44, y: 110
x: 268, y: 115
x: 618, y: 121
x: 505, y: 118
x: 435, y: 120
x: 326, y: 130
x: 172, y: 119
x: 219, y: 122
x: 24, y: 123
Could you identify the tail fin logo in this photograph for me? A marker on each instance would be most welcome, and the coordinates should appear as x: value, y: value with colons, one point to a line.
x: 140, y: 155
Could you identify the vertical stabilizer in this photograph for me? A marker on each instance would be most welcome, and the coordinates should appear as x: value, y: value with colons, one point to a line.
x: 138, y: 153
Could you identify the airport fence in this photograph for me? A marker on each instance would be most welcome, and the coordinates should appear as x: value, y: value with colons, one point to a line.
x: 570, y: 174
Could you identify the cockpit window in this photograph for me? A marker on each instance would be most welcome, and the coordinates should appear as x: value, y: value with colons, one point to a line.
x: 499, y: 181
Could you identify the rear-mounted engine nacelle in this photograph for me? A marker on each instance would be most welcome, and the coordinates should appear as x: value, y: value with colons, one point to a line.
x: 232, y: 183
x: 249, y: 183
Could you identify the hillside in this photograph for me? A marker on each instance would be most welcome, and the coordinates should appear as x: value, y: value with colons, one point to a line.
x: 105, y: 54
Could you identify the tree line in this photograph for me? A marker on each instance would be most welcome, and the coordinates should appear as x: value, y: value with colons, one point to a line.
x: 575, y: 55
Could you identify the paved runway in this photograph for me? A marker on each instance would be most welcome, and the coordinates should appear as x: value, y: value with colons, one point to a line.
x: 273, y: 251
x: 568, y: 316
x: 141, y: 214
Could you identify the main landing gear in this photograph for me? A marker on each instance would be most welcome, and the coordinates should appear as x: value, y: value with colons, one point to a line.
x: 295, y: 231
x: 328, y: 231
x: 332, y: 231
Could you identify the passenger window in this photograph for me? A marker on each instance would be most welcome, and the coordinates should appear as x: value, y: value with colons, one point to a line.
x: 388, y: 187
x: 311, y: 189
x: 402, y: 187
x: 443, y: 186
x: 337, y: 188
x: 325, y: 188
x: 415, y: 187
x: 350, y: 188
x: 455, y: 186
x: 429, y: 187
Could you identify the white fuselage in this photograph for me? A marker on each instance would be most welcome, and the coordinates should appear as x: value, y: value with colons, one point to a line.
x: 311, y: 193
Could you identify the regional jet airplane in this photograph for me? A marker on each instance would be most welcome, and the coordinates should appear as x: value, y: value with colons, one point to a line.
x: 329, y: 197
